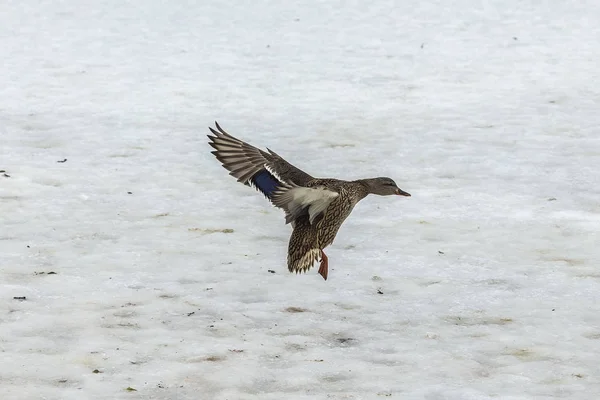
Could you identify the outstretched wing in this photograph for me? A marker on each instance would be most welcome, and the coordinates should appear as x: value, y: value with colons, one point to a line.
x: 266, y: 171
x: 298, y: 201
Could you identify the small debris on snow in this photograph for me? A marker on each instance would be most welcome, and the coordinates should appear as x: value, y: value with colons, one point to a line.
x: 345, y: 342
x: 295, y: 309
x: 209, y: 231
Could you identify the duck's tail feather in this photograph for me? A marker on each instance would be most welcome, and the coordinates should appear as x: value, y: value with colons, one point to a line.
x: 302, y: 251
x: 303, y: 262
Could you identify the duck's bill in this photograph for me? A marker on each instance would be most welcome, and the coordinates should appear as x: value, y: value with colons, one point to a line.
x: 401, y: 192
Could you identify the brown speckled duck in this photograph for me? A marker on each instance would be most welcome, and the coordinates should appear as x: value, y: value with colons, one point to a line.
x: 315, y: 207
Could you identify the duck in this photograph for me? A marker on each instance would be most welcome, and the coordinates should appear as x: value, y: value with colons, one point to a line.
x: 314, y: 207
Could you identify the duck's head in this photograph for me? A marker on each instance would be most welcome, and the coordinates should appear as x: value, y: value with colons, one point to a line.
x: 384, y: 186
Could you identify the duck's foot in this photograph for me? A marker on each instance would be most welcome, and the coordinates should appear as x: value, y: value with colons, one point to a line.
x: 323, y: 269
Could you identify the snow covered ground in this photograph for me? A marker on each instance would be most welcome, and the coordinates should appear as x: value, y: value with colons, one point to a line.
x: 145, y: 267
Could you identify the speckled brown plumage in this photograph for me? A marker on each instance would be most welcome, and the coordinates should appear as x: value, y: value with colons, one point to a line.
x: 316, y: 208
x: 307, y: 241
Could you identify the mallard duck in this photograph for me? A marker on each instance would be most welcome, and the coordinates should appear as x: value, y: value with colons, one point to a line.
x: 315, y: 207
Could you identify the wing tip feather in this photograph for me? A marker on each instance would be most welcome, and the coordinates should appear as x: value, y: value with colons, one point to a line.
x: 221, y: 129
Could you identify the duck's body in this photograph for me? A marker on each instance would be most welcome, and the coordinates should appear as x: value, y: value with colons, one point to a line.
x: 315, y: 207
x: 308, y: 240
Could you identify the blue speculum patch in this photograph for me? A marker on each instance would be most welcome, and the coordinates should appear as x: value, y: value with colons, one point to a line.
x: 265, y: 182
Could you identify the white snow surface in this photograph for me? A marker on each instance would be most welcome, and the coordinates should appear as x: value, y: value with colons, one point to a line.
x: 485, y: 284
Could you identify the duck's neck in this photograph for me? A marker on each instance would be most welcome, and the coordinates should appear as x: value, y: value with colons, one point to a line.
x: 364, y: 187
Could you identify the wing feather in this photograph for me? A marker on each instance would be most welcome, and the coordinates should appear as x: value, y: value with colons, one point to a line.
x: 298, y: 201
x: 249, y: 164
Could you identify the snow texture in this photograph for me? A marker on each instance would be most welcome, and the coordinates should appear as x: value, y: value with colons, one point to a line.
x: 145, y: 266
